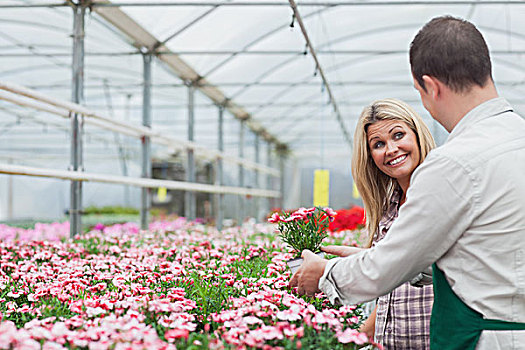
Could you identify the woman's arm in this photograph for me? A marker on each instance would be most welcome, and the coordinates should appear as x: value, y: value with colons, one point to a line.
x: 341, y: 250
x: 369, y: 326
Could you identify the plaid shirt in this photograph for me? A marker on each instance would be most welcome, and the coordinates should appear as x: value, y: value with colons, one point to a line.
x: 403, y: 315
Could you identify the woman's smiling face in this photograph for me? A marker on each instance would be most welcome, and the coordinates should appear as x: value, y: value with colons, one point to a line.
x: 394, y: 149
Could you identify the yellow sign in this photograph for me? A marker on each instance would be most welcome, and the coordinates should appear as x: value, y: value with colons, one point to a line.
x: 162, y: 193
x: 321, y: 187
x: 355, y: 192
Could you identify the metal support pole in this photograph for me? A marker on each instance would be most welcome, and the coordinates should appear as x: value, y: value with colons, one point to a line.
x: 126, y: 187
x: 281, y: 182
x: 241, y: 173
x: 257, y: 184
x: 77, y: 120
x: 146, y: 142
x: 219, y: 180
x: 269, y: 186
x: 190, y: 205
x: 10, y: 193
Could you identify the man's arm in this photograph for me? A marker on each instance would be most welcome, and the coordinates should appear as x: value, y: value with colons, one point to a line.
x: 439, y: 208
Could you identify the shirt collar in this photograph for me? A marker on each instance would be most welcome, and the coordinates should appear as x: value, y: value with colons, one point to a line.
x: 393, y: 206
x: 483, y: 111
x: 396, y: 196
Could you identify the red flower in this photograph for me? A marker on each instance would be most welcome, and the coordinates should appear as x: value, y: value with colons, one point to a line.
x: 348, y: 219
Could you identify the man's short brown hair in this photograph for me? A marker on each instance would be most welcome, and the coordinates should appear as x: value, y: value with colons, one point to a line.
x: 453, y: 51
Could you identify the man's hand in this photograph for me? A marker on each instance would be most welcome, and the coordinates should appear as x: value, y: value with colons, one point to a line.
x: 306, y: 279
x: 341, y: 250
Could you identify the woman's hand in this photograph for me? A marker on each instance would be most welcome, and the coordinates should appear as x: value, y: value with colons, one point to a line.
x: 306, y: 279
x: 341, y: 250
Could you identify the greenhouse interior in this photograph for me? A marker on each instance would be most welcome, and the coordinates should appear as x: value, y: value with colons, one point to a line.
x: 216, y: 113
x: 286, y: 88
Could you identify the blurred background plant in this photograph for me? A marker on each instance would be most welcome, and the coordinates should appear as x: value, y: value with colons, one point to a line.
x: 348, y: 219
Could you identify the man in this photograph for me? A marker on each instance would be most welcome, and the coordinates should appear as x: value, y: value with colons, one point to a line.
x: 464, y: 209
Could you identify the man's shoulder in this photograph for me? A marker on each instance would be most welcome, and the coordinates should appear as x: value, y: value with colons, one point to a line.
x: 485, y: 140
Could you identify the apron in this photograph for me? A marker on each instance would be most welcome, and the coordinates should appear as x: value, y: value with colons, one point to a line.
x: 453, y: 324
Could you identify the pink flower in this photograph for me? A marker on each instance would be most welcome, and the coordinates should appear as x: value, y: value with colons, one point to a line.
x: 330, y: 212
x: 274, y: 218
x: 292, y: 314
x: 76, y: 306
x: 292, y: 331
x: 59, y: 329
x: 52, y: 346
x: 7, y: 334
x: 115, y: 249
x: 280, y: 284
x: 99, y: 227
x: 252, y: 320
x: 13, y: 295
x: 350, y: 335
x: 268, y: 332
x: 24, y: 309
x: 301, y: 213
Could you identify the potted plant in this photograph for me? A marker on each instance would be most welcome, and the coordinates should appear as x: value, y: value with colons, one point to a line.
x: 302, y: 229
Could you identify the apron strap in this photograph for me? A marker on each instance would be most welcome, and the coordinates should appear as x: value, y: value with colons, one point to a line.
x: 498, y: 325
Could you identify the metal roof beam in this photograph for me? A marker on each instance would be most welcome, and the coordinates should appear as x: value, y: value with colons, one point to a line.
x: 312, y: 3
x: 269, y: 3
x: 146, y: 42
x: 235, y: 84
x: 41, y: 5
x: 356, y: 103
x: 239, y: 53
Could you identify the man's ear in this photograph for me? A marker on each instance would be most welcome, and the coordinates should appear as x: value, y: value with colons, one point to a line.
x: 433, y: 86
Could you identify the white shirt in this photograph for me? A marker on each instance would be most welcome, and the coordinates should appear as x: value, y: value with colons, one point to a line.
x: 465, y: 210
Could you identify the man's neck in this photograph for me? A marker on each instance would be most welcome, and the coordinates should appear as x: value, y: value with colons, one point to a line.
x: 460, y: 104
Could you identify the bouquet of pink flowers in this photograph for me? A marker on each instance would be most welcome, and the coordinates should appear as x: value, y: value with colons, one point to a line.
x: 304, y: 228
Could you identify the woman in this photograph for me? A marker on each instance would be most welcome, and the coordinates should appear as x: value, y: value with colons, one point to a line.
x: 390, y: 141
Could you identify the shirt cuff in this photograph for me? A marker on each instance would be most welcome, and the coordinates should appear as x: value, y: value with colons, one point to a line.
x: 421, y: 280
x: 327, y: 283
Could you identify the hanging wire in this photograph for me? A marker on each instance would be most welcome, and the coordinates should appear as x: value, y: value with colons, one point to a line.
x: 332, y: 56
x: 7, y: 127
x: 323, y: 124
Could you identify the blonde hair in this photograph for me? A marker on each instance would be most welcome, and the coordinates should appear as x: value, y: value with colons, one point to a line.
x: 375, y: 187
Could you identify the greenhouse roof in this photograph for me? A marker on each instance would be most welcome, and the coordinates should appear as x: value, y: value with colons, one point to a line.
x: 299, y: 73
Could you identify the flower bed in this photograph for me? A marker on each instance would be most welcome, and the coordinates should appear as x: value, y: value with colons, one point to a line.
x: 178, y: 285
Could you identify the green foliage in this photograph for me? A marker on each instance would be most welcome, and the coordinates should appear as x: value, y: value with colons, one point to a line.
x: 212, y: 294
x: 91, y: 245
x: 49, y: 307
x: 195, y: 341
x: 307, y: 232
x: 110, y: 210
x: 54, y: 307
x: 319, y: 339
